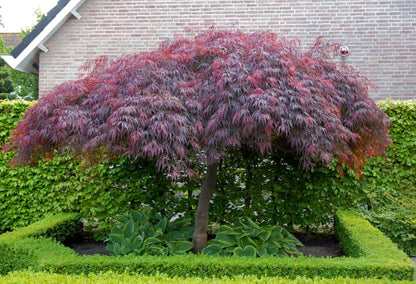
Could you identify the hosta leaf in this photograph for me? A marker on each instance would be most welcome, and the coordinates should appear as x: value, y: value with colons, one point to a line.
x: 154, y: 250
x: 128, y: 230
x: 291, y: 249
x: 213, y: 249
x: 136, y: 216
x: 272, y: 250
x: 246, y: 232
x: 225, y: 239
x: 117, y: 231
x: 158, y: 216
x: 126, y: 249
x: 264, y: 235
x: 277, y: 230
x: 151, y: 241
x: 161, y: 226
x: 138, y: 251
x: 137, y: 241
x: 116, y: 249
x: 247, y: 241
x: 182, y: 247
x: 293, y: 241
x: 225, y: 229
x: 248, y: 251
x: 176, y: 236
x: 110, y: 249
x: 229, y: 250
x: 250, y: 224
x: 261, y: 251
x: 116, y: 238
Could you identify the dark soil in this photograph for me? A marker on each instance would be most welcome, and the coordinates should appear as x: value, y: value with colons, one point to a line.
x: 87, y: 247
x: 318, y: 245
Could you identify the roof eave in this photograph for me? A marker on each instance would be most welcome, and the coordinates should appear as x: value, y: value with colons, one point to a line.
x: 28, y: 60
x: 28, y: 65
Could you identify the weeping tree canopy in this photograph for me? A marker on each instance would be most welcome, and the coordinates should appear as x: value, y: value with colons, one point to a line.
x: 193, y: 99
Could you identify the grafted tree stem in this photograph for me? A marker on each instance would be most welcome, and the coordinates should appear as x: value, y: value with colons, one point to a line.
x: 201, y: 218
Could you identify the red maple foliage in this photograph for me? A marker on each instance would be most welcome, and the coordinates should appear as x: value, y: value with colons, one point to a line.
x: 220, y: 90
x: 195, y: 98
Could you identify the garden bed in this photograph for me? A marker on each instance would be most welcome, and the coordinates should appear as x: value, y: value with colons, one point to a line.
x: 368, y: 253
x: 316, y: 245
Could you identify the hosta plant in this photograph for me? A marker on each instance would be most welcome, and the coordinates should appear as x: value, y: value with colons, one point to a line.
x: 144, y: 233
x: 246, y: 238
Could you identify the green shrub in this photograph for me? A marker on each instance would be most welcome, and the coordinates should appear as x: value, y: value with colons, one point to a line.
x: 59, y: 227
x: 245, y: 238
x: 144, y: 233
x: 379, y: 258
x: 359, y: 238
x: 10, y: 113
x: 391, y: 184
x: 19, y: 249
x: 28, y: 277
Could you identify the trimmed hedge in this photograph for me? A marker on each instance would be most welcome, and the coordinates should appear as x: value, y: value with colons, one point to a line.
x: 27, y: 194
x: 387, y: 187
x: 59, y: 227
x: 359, y: 238
x: 391, y: 184
x: 373, y: 256
x: 28, y: 277
x: 18, y: 249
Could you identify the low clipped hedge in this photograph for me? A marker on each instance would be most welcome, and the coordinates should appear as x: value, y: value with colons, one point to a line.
x: 17, y: 250
x: 59, y: 226
x: 359, y: 238
x: 370, y: 254
x: 27, y: 277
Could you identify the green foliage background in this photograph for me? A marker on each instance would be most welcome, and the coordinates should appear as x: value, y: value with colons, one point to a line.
x: 391, y: 185
x: 99, y: 193
x: 268, y: 190
x: 16, y: 84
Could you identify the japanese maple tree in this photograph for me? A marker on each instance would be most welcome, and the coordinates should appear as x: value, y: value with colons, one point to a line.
x: 194, y: 99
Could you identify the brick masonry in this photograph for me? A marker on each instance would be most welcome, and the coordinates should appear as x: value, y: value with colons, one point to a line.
x: 381, y: 35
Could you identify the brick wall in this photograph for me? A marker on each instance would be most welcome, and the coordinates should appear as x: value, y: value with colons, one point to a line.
x: 381, y: 35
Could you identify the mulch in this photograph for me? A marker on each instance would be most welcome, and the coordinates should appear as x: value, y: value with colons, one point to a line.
x: 317, y: 245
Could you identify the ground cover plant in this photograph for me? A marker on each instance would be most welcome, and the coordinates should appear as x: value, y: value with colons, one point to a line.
x: 144, y: 233
x: 246, y: 238
x: 192, y: 100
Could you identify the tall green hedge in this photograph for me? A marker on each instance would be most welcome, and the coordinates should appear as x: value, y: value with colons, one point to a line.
x: 390, y: 185
x: 100, y: 193
x: 270, y: 189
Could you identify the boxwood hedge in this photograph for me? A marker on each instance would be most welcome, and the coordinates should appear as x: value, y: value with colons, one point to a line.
x: 29, y: 277
x: 369, y: 254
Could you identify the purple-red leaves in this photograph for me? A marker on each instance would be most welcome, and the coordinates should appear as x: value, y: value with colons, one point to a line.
x: 222, y: 89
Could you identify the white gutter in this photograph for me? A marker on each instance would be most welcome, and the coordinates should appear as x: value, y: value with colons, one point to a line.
x: 26, y: 60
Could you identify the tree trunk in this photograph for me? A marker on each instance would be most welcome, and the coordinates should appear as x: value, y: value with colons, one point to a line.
x: 201, y: 219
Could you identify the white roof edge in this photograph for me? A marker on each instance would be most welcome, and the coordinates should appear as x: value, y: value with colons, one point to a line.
x: 24, y: 61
